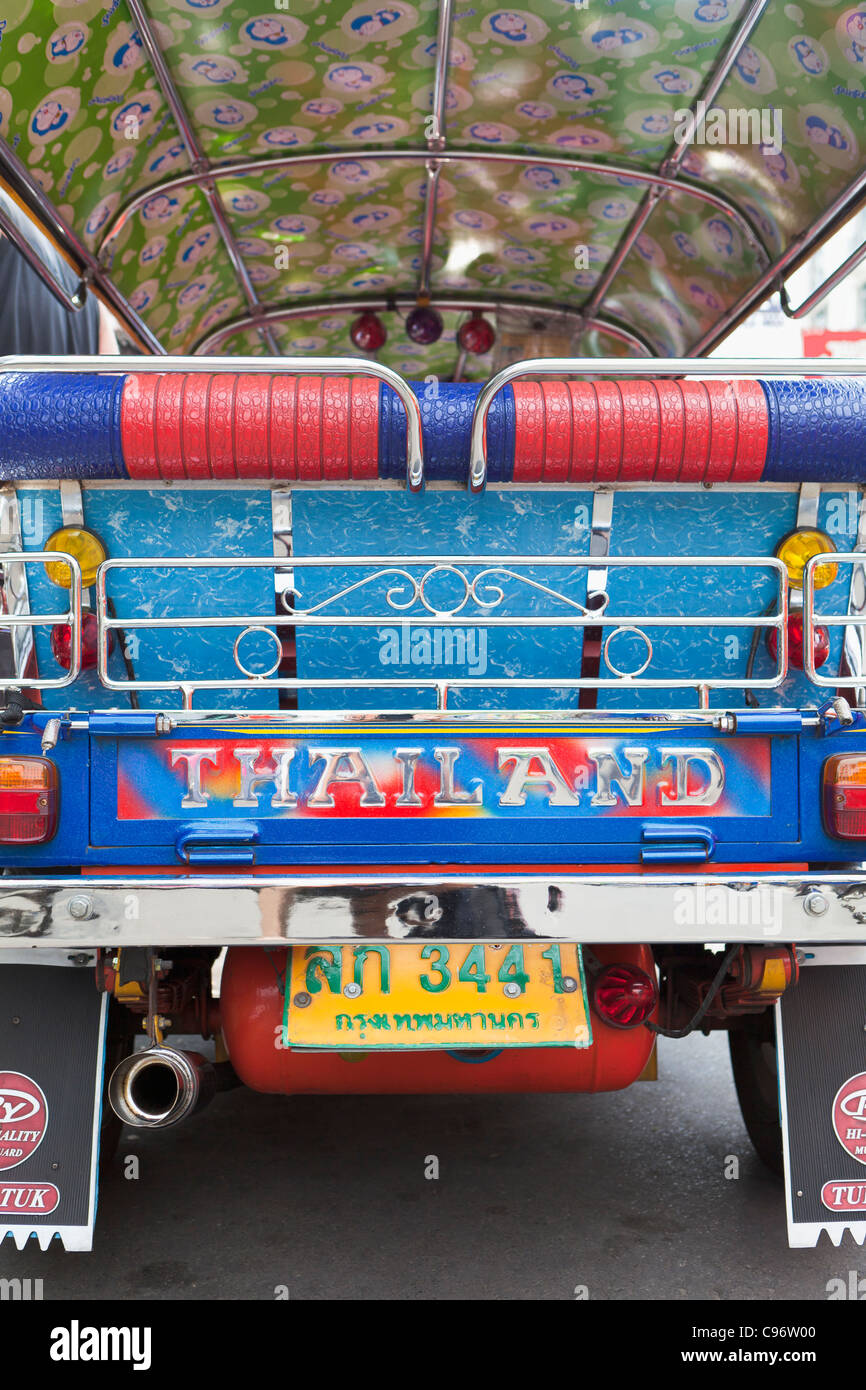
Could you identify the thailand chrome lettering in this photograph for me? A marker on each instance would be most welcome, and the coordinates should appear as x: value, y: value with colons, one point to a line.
x: 343, y: 765
x: 582, y: 774
x: 683, y: 758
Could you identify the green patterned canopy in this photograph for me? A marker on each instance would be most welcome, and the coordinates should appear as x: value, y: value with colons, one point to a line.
x: 214, y: 159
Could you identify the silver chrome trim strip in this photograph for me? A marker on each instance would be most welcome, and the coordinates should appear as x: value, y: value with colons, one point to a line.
x: 819, y: 908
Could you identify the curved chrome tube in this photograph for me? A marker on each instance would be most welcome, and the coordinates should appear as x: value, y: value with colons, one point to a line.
x: 302, y: 366
x: 618, y: 366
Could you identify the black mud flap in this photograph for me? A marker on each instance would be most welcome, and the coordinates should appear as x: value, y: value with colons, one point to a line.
x: 52, y: 1052
x: 821, y: 1039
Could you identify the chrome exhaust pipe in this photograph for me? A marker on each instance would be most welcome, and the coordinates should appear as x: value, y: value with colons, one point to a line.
x: 160, y: 1087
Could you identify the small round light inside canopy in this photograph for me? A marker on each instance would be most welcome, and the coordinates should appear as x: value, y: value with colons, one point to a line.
x: 87, y: 549
x: 798, y: 547
x: 368, y: 332
x: 477, y: 335
x: 424, y: 325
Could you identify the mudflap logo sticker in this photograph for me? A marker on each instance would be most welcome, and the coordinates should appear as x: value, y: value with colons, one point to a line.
x: 849, y: 1116
x: 23, y: 1118
x: 844, y: 1195
x: 36, y: 1198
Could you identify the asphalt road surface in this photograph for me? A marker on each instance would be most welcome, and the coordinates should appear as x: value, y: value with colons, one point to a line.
x: 326, y: 1198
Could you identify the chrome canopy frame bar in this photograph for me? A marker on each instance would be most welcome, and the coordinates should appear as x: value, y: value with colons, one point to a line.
x: 847, y: 203
x: 301, y: 366
x: 615, y: 366
x: 73, y: 303
x: 826, y: 287
x: 670, y: 166
x: 249, y: 168
x: 205, y: 174
x: 90, y: 268
x: 488, y: 304
x: 198, y: 160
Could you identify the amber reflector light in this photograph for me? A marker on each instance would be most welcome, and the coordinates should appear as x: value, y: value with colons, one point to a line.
x: 845, y: 796
x: 28, y: 800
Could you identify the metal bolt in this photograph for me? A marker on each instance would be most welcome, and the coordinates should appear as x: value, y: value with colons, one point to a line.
x: 569, y: 984
x: 79, y: 907
x: 54, y: 1167
x: 352, y: 991
x: 799, y: 1194
x: 512, y: 990
x: 80, y: 958
x: 302, y: 999
x: 815, y: 904
x: 16, y: 1020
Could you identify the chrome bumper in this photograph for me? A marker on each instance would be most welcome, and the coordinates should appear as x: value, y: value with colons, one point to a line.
x: 209, y: 911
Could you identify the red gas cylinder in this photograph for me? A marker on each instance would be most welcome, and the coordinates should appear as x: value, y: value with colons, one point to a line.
x: 251, y: 1009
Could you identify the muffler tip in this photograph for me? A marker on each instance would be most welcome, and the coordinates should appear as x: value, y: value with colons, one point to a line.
x: 160, y: 1086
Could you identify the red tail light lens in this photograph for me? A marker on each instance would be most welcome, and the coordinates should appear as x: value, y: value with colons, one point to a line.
x: 28, y: 800
x: 624, y: 996
x: 820, y: 642
x: 845, y: 796
x: 61, y: 643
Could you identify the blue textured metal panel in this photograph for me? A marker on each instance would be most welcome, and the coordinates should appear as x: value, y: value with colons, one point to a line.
x: 63, y: 426
x: 174, y: 521
x: 664, y: 523
x: 446, y: 413
x: 361, y: 522
x: 817, y: 431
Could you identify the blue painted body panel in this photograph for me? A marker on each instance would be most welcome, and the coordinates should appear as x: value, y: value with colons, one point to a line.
x: 509, y: 521
x: 237, y: 521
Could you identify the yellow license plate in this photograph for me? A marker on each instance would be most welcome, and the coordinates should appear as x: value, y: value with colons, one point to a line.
x: 513, y: 994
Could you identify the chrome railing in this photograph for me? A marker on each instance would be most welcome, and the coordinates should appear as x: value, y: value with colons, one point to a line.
x: 454, y: 596
x: 615, y: 367
x: 17, y: 619
x: 821, y: 609
x: 290, y: 366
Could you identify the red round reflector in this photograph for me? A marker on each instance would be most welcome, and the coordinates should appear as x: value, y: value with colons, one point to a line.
x: 61, y: 643
x: 624, y: 996
x: 820, y: 642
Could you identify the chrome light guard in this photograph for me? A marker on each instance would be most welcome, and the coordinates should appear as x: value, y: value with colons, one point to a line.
x: 13, y: 571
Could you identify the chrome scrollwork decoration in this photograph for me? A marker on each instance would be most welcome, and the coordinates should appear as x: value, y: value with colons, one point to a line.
x: 412, y: 589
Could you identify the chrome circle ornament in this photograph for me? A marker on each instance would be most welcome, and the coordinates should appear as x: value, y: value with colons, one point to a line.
x: 621, y: 672
x: 245, y: 670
